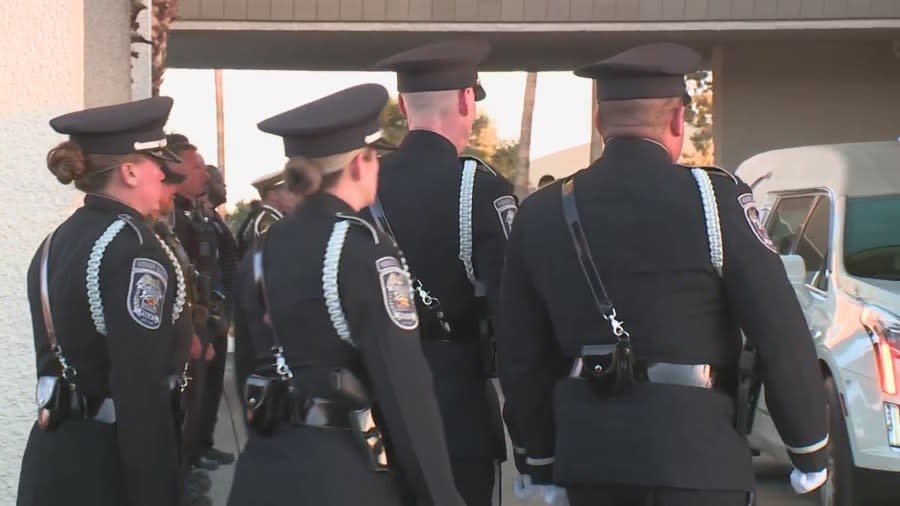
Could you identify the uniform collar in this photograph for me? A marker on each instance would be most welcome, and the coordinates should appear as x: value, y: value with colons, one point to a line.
x: 106, y: 203
x: 430, y: 141
x: 330, y: 203
x: 183, y: 203
x: 636, y: 147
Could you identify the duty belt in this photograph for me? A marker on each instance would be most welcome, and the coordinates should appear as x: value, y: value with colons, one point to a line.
x: 689, y: 375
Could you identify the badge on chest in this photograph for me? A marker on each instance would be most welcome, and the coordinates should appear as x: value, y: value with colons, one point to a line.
x: 147, y: 292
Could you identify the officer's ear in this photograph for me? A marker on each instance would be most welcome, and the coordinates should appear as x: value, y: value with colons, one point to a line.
x: 676, y: 122
x: 129, y: 172
x: 401, y: 104
x: 463, y: 101
x: 598, y: 121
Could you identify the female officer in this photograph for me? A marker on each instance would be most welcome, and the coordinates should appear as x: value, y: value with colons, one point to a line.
x: 104, y: 295
x: 328, y: 301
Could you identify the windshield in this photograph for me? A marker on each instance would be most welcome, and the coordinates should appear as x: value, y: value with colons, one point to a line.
x: 872, y: 237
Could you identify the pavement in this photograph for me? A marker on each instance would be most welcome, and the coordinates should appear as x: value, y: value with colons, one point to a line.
x: 773, y: 486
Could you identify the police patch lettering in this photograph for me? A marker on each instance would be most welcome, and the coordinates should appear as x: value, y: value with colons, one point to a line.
x: 147, y: 292
x: 753, y: 219
x: 506, y: 210
x: 396, y: 289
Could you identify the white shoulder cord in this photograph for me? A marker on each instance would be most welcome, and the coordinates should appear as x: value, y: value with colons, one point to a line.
x: 95, y: 301
x: 466, y: 192
x: 711, y: 215
x: 330, y: 267
x: 179, y: 281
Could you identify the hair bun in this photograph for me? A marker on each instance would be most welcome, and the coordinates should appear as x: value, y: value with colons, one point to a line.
x: 66, y: 162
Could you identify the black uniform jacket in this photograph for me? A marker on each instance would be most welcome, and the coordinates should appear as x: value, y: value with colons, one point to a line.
x: 134, y: 461
x: 419, y: 189
x: 325, y: 466
x: 643, y: 217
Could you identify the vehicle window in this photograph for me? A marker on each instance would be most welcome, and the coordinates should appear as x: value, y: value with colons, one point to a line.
x: 813, y: 245
x: 872, y: 237
x: 786, y: 220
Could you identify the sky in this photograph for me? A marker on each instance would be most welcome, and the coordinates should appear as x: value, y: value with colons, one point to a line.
x: 562, y: 116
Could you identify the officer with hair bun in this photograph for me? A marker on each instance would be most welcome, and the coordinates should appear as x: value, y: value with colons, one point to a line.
x: 106, y: 295
x: 339, y: 399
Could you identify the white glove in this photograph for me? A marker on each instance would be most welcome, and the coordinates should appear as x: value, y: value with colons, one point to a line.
x: 555, y: 496
x: 807, y: 482
x: 523, y: 488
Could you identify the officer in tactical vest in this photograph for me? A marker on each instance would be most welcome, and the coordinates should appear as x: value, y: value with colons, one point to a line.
x: 625, y: 293
x: 106, y: 297
x: 451, y: 216
x: 277, y: 201
x: 340, y: 400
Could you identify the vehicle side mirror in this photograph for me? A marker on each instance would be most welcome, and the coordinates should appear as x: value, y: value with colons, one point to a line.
x: 795, y: 268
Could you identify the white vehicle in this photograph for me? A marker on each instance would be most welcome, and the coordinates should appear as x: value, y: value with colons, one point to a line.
x: 833, y: 213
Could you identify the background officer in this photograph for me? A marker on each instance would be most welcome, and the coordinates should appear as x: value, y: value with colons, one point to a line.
x: 221, y: 300
x: 334, y: 299
x: 105, y: 297
x: 452, y: 226
x: 277, y: 201
x: 684, y: 297
x: 197, y: 234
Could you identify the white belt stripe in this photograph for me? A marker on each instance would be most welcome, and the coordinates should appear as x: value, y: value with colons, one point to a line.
x: 540, y: 462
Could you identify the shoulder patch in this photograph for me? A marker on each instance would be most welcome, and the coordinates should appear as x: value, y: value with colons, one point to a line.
x: 506, y: 210
x: 396, y: 288
x: 147, y: 292
x: 751, y: 213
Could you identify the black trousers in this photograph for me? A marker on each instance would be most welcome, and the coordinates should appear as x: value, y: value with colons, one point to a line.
x: 474, y: 480
x: 212, y: 392
x: 640, y: 496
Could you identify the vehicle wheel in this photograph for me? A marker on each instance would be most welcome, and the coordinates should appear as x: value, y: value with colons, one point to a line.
x: 838, y: 489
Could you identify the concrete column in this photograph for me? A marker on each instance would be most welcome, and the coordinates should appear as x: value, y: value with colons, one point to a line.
x: 43, y: 62
x: 107, y: 52
x: 771, y: 95
x: 141, y: 74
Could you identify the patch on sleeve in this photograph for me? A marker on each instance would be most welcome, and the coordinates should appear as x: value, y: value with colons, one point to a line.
x: 396, y: 288
x: 753, y: 219
x: 506, y: 210
x: 147, y: 292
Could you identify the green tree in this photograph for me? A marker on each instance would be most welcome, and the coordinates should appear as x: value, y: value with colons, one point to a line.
x: 699, y: 116
x: 241, y: 211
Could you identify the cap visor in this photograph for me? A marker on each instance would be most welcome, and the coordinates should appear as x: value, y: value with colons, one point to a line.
x: 479, y: 92
x: 172, y: 177
x: 382, y: 145
x: 164, y: 154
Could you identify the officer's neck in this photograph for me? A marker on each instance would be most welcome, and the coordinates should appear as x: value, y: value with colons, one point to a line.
x: 126, y: 198
x: 448, y: 131
x: 349, y: 196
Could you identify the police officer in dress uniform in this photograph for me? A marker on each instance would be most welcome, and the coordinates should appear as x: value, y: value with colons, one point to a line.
x: 197, y: 235
x: 105, y: 296
x: 451, y: 216
x: 221, y: 301
x: 348, y: 413
x: 276, y: 202
x: 647, y: 413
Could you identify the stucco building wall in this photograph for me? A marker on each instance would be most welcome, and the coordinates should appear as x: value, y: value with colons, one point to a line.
x: 45, y: 48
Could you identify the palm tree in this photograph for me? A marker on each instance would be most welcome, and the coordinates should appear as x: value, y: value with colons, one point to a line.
x: 163, y: 15
x: 522, y: 166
